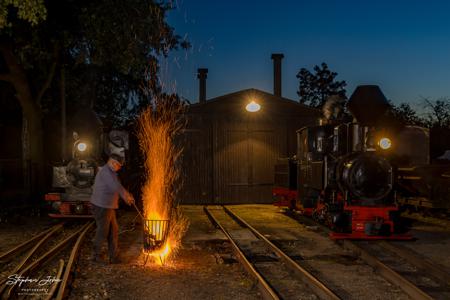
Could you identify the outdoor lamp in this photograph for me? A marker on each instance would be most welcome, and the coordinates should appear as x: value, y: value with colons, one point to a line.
x: 253, y: 107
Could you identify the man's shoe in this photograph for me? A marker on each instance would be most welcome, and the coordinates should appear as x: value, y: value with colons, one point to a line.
x: 98, y: 258
x: 116, y: 260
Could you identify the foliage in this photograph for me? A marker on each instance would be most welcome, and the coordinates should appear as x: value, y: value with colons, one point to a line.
x: 31, y: 11
x: 406, y: 114
x: 90, y: 53
x: 434, y: 113
x: 107, y: 48
x: 315, y: 88
x: 437, y: 112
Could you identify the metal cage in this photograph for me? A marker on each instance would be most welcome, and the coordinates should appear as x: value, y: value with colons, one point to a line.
x: 155, y: 234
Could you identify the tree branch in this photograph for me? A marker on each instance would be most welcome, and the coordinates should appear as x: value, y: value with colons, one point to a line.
x: 6, y: 77
x: 49, y: 79
x: 11, y: 63
x: 18, y: 80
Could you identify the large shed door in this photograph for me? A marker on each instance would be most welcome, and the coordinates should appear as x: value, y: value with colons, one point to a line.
x: 265, y: 148
x: 196, y: 170
x: 244, y: 159
x: 231, y: 167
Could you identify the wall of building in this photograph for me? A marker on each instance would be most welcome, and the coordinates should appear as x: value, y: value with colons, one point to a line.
x: 229, y: 156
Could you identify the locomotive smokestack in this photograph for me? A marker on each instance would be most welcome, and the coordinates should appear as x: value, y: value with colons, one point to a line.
x: 202, y: 74
x: 277, y: 57
x: 367, y: 104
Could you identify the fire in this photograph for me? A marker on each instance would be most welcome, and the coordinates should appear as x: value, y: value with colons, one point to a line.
x: 158, y: 126
x: 161, y: 255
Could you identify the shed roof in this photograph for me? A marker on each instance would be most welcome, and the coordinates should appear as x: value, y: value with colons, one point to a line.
x: 236, y: 102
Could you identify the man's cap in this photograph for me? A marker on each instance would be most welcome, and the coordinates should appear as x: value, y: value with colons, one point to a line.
x: 118, y: 158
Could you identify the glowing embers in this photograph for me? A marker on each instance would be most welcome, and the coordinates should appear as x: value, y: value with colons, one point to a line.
x: 156, y: 244
x: 155, y: 234
x: 159, y: 124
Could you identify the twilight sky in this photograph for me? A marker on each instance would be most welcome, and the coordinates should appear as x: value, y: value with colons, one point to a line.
x: 403, y: 46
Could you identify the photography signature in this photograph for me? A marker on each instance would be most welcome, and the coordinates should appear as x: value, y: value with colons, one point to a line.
x: 18, y: 279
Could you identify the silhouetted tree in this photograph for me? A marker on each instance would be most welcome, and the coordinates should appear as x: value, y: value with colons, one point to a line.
x: 105, y: 47
x: 438, y: 112
x: 406, y: 114
x: 315, y: 88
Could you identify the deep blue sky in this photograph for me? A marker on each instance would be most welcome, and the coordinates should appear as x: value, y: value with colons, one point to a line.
x: 403, y: 46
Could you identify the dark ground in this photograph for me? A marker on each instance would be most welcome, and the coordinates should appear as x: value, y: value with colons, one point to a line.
x: 199, y: 271
x: 205, y: 269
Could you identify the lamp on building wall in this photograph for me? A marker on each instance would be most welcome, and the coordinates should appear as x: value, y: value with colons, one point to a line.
x: 253, y: 106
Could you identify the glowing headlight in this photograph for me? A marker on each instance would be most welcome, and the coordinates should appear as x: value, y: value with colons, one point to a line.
x: 385, y: 143
x: 253, y: 107
x: 82, y: 147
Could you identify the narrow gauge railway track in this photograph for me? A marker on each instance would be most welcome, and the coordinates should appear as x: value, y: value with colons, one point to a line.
x: 418, y: 277
x: 41, y: 254
x: 265, y: 262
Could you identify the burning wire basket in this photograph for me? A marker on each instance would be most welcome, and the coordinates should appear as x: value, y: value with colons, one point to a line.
x: 155, y: 234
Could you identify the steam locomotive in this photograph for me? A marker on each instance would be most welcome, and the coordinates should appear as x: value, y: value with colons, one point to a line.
x: 423, y: 185
x: 73, y: 180
x: 345, y: 178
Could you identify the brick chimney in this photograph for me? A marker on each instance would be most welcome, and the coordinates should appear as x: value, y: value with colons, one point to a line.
x: 277, y: 57
x: 202, y: 74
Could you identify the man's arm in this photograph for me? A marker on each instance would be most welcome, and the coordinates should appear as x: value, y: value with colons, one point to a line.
x: 115, y: 185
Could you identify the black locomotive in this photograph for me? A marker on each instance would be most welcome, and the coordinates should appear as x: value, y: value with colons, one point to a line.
x: 345, y: 178
x: 73, y: 179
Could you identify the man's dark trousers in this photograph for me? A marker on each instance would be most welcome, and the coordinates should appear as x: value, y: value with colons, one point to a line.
x: 107, y: 228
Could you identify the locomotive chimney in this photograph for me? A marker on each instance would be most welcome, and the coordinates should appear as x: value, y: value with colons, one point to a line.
x: 277, y: 57
x: 202, y: 74
x: 367, y: 104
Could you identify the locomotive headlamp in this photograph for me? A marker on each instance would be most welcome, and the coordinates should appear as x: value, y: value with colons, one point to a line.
x: 253, y: 107
x: 385, y: 143
x: 81, y: 147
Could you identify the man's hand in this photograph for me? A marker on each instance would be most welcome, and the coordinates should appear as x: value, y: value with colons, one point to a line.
x: 130, y: 199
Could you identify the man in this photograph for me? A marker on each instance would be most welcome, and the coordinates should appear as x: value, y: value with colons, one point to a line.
x: 105, y: 201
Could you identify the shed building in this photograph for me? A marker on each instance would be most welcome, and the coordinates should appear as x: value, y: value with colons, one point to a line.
x: 229, y: 152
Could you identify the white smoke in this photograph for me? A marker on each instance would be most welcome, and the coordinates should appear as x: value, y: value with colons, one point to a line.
x: 333, y: 107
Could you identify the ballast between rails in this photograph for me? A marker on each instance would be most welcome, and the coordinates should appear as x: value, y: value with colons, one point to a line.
x: 264, y: 287
x: 305, y: 277
x: 26, y: 267
x: 315, y: 284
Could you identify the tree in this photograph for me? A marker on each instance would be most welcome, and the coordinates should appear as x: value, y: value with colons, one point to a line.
x: 406, y: 114
x: 112, y: 45
x: 438, y: 112
x: 314, y: 89
x: 31, y: 11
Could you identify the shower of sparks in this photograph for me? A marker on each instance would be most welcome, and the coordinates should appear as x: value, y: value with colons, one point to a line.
x: 159, y: 124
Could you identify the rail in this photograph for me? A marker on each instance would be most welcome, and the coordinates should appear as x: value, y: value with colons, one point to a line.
x: 264, y: 287
x: 26, y: 267
x: 301, y: 274
x: 314, y: 283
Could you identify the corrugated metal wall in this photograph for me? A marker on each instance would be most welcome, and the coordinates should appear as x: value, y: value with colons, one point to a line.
x: 246, y: 152
x: 231, y: 166
x: 230, y: 155
x: 232, y: 161
x: 196, y: 171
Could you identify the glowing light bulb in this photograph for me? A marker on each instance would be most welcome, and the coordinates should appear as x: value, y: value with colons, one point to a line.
x: 253, y: 107
x: 82, y: 147
x: 385, y: 143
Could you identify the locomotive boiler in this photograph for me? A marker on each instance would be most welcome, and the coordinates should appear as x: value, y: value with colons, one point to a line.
x: 73, y: 179
x: 344, y: 177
